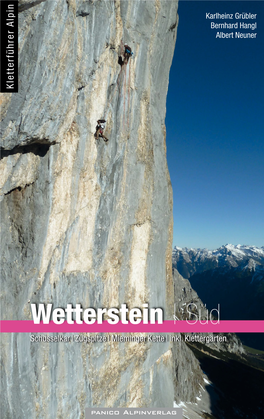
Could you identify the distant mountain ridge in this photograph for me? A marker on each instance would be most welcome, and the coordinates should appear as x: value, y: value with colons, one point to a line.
x: 232, y: 276
x: 189, y: 261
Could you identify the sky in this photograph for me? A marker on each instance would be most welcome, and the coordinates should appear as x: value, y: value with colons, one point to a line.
x: 215, y: 126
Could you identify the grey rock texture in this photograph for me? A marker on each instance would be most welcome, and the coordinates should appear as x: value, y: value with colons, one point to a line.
x: 189, y: 378
x: 84, y: 221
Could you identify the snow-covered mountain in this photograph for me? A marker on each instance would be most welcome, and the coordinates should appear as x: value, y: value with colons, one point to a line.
x: 232, y: 276
x: 189, y: 261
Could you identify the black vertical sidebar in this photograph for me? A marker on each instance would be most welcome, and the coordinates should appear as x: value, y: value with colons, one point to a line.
x: 9, y: 46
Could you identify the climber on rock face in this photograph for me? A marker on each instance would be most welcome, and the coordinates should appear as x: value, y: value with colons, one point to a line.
x: 100, y: 130
x: 127, y: 54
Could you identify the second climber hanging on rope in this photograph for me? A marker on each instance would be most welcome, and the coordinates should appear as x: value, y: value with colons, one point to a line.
x: 100, y: 130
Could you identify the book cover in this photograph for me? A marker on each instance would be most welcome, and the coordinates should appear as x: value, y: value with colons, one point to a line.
x: 93, y: 299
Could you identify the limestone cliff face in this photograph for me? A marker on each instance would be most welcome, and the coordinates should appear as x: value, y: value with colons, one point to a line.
x: 84, y: 221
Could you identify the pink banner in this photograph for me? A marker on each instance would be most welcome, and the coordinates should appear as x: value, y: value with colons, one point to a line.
x: 168, y: 326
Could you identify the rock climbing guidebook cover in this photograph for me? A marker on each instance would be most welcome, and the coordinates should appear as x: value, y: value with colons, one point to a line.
x: 131, y: 149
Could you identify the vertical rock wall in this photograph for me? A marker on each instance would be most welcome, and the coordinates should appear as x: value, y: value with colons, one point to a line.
x: 84, y: 221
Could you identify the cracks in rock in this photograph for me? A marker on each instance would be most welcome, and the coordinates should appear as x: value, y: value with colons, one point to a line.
x: 19, y: 188
x: 23, y: 7
x: 38, y: 148
x: 173, y: 26
x: 111, y: 46
x: 90, y: 76
x: 82, y: 87
x: 82, y: 13
x: 20, y: 124
x: 141, y: 223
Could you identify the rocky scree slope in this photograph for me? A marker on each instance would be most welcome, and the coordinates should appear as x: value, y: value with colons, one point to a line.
x: 84, y: 221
